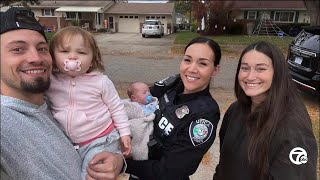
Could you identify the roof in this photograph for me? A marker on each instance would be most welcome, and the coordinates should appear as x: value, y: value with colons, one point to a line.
x: 79, y: 9
x: 276, y: 5
x: 141, y: 8
x: 81, y: 3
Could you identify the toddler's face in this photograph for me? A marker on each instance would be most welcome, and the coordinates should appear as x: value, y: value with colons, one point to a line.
x: 73, y: 57
x: 141, y: 92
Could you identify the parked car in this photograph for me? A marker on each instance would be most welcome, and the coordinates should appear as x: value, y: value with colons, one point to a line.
x: 303, y: 59
x: 152, y: 28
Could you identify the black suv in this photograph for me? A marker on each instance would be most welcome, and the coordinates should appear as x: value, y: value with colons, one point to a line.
x: 304, y: 61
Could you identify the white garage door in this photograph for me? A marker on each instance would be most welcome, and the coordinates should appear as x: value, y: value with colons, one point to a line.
x: 129, y: 24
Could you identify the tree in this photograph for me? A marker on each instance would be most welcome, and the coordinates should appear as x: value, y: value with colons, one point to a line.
x: 199, y: 12
x: 182, y: 7
x: 219, y: 14
x: 313, y: 10
x: 23, y: 2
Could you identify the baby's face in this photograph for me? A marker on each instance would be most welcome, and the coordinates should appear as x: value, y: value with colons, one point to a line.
x: 73, y: 57
x: 141, y: 92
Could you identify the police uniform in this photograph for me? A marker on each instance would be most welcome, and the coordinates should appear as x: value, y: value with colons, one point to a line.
x: 184, y: 130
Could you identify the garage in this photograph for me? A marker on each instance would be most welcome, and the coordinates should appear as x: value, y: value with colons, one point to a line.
x: 129, y: 23
x: 163, y: 20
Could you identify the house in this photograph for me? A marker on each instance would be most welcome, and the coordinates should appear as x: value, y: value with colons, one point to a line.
x: 54, y: 15
x: 116, y: 15
x: 279, y: 11
x: 129, y: 17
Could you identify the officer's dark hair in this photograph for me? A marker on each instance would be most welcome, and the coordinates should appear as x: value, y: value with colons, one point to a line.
x: 212, y: 44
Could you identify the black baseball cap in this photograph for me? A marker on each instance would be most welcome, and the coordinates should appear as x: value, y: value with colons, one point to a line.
x: 20, y: 18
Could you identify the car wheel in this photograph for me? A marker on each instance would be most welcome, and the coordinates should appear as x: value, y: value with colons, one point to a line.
x: 143, y: 35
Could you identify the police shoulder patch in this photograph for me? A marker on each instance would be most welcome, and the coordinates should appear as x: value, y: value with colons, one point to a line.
x: 166, y: 81
x: 200, y: 131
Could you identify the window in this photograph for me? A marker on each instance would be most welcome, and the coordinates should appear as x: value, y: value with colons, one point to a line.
x: 163, y: 17
x: 152, y: 17
x: 136, y: 17
x: 284, y: 16
x: 252, y: 15
x: 121, y: 16
x: 148, y: 17
x: 125, y: 16
x: 130, y: 16
x: 73, y: 15
x: 47, y: 12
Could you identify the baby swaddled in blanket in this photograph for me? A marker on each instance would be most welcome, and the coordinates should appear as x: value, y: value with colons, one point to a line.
x: 140, y: 108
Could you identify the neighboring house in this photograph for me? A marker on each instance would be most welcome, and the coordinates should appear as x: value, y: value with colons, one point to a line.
x: 181, y: 19
x: 54, y: 15
x: 116, y: 15
x: 279, y: 11
x: 129, y: 17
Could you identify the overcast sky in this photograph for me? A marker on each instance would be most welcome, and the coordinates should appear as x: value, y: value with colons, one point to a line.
x: 147, y: 1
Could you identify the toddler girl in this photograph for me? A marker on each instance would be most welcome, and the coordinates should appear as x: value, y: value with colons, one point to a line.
x: 84, y: 100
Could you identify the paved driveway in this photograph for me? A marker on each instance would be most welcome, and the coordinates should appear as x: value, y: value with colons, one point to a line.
x: 129, y: 43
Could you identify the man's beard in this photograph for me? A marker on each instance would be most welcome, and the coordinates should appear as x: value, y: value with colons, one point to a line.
x: 40, y: 85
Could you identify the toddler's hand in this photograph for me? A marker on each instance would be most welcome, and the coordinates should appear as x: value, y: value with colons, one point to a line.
x: 126, y: 145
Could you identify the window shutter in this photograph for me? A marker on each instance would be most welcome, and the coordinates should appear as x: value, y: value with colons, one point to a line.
x: 296, y: 17
x: 42, y: 10
x: 245, y: 14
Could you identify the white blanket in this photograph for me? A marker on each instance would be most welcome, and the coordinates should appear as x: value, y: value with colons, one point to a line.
x: 141, y: 128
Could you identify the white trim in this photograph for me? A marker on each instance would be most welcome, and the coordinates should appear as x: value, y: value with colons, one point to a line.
x: 79, y: 9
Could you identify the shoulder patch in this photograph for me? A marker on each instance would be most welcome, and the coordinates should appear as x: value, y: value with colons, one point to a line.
x: 200, y: 131
x: 167, y: 81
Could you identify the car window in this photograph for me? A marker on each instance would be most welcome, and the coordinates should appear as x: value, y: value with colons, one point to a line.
x: 151, y: 22
x: 308, y: 40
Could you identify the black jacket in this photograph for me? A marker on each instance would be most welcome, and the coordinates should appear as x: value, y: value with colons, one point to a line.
x: 234, y: 163
x: 184, y: 130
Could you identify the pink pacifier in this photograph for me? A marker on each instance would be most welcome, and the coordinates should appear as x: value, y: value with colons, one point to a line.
x: 72, y: 65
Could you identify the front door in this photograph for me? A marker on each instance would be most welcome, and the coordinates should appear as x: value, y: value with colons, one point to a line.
x: 111, y: 23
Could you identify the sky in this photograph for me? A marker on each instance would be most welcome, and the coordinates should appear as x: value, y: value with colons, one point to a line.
x: 147, y: 1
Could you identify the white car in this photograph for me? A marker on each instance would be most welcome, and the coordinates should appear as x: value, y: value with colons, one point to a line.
x: 152, y: 28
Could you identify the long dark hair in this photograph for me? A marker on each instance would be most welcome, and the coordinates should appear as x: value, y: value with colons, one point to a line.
x: 282, y: 103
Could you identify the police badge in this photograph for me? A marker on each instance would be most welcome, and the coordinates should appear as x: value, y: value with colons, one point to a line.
x: 200, y: 131
x: 182, y: 111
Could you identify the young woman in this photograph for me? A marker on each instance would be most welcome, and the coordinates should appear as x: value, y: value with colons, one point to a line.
x: 266, y: 134
x: 187, y: 117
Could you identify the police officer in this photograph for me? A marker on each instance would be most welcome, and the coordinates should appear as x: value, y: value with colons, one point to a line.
x: 186, y: 117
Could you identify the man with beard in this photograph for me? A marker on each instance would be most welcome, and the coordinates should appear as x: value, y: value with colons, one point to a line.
x: 32, y: 145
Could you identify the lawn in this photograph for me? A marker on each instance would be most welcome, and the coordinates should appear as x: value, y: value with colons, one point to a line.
x: 233, y: 44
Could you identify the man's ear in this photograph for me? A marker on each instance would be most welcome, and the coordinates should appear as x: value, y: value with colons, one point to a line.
x: 215, y: 71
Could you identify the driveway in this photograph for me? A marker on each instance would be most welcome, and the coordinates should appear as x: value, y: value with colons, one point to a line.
x: 128, y: 57
x: 129, y: 43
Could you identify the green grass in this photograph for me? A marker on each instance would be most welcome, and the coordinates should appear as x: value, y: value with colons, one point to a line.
x: 184, y: 37
x: 49, y: 35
